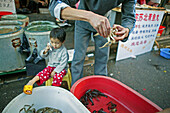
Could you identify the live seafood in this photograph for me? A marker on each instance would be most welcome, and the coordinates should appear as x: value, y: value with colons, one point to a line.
x: 91, y: 94
x: 110, y: 38
x: 29, y: 109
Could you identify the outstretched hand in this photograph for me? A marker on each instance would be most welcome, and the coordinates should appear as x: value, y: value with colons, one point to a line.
x: 43, y: 3
x: 122, y: 32
x: 100, y: 24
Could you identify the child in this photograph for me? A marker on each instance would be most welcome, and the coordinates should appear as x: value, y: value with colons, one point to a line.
x: 57, y: 65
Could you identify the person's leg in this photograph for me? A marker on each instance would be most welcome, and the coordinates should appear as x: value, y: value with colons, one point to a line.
x: 81, y: 41
x: 58, y: 77
x: 44, y: 75
x: 39, y: 79
x: 21, y: 4
x: 35, y: 79
x: 32, y: 6
x: 101, y: 56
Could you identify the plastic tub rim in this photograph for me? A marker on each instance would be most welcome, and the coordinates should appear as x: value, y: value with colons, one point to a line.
x: 17, y: 15
x: 29, y: 27
x: 50, y: 22
x: 17, y: 21
x: 164, y: 53
x: 11, y: 33
x: 3, y: 13
x: 38, y: 32
x: 162, y: 49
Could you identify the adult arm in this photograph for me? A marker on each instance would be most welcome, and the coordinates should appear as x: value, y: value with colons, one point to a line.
x: 62, y: 11
x: 99, y: 23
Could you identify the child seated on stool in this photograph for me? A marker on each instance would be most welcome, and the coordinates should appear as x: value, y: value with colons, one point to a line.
x: 57, y: 65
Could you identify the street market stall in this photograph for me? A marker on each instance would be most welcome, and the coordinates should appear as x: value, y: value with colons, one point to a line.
x: 141, y: 39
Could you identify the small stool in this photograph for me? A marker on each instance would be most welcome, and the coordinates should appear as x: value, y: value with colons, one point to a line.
x: 66, y: 78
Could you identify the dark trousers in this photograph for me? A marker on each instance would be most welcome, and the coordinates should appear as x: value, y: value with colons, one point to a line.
x: 33, y: 6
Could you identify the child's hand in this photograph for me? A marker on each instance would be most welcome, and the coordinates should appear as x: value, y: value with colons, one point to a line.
x: 48, y: 47
x: 53, y: 73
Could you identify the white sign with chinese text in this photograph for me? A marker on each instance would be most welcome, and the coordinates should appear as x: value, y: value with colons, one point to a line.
x: 7, y: 5
x: 143, y: 36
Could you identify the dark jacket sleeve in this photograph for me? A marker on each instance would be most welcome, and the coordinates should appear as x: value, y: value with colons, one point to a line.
x: 128, y: 15
x: 54, y: 3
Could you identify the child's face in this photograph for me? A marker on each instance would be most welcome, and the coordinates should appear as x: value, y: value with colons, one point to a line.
x: 56, y: 43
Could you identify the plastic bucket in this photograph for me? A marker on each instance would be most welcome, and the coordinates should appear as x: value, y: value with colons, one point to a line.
x: 47, y: 96
x: 10, y: 41
x: 126, y: 99
x: 41, y: 23
x: 38, y: 36
x: 12, y: 22
x: 18, y: 17
x: 142, y: 2
x: 160, y: 31
x: 2, y: 13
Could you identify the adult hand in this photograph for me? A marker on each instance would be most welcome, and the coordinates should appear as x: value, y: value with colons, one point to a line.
x: 122, y: 32
x: 152, y: 3
x: 53, y: 73
x: 43, y: 3
x: 100, y: 24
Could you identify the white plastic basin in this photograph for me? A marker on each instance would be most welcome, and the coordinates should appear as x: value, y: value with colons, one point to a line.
x: 47, y: 96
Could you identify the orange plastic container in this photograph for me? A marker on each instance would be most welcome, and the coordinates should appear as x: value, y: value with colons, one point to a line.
x: 2, y: 13
x: 126, y: 99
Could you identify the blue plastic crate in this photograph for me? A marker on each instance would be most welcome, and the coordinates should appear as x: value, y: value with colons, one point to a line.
x: 165, y: 52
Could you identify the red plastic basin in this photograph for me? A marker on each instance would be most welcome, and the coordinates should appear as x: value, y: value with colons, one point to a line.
x: 2, y: 13
x: 126, y: 99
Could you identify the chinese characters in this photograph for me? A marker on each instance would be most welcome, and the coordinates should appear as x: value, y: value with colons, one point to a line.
x: 147, y: 17
x: 5, y: 3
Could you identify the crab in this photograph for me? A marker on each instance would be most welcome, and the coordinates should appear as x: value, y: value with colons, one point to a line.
x: 29, y: 109
x: 110, y: 38
x: 48, y: 110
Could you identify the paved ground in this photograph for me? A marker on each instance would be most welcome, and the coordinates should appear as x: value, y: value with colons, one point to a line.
x: 148, y: 74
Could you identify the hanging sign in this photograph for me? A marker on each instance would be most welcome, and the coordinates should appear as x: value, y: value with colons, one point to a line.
x: 7, y: 5
x: 142, y: 38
